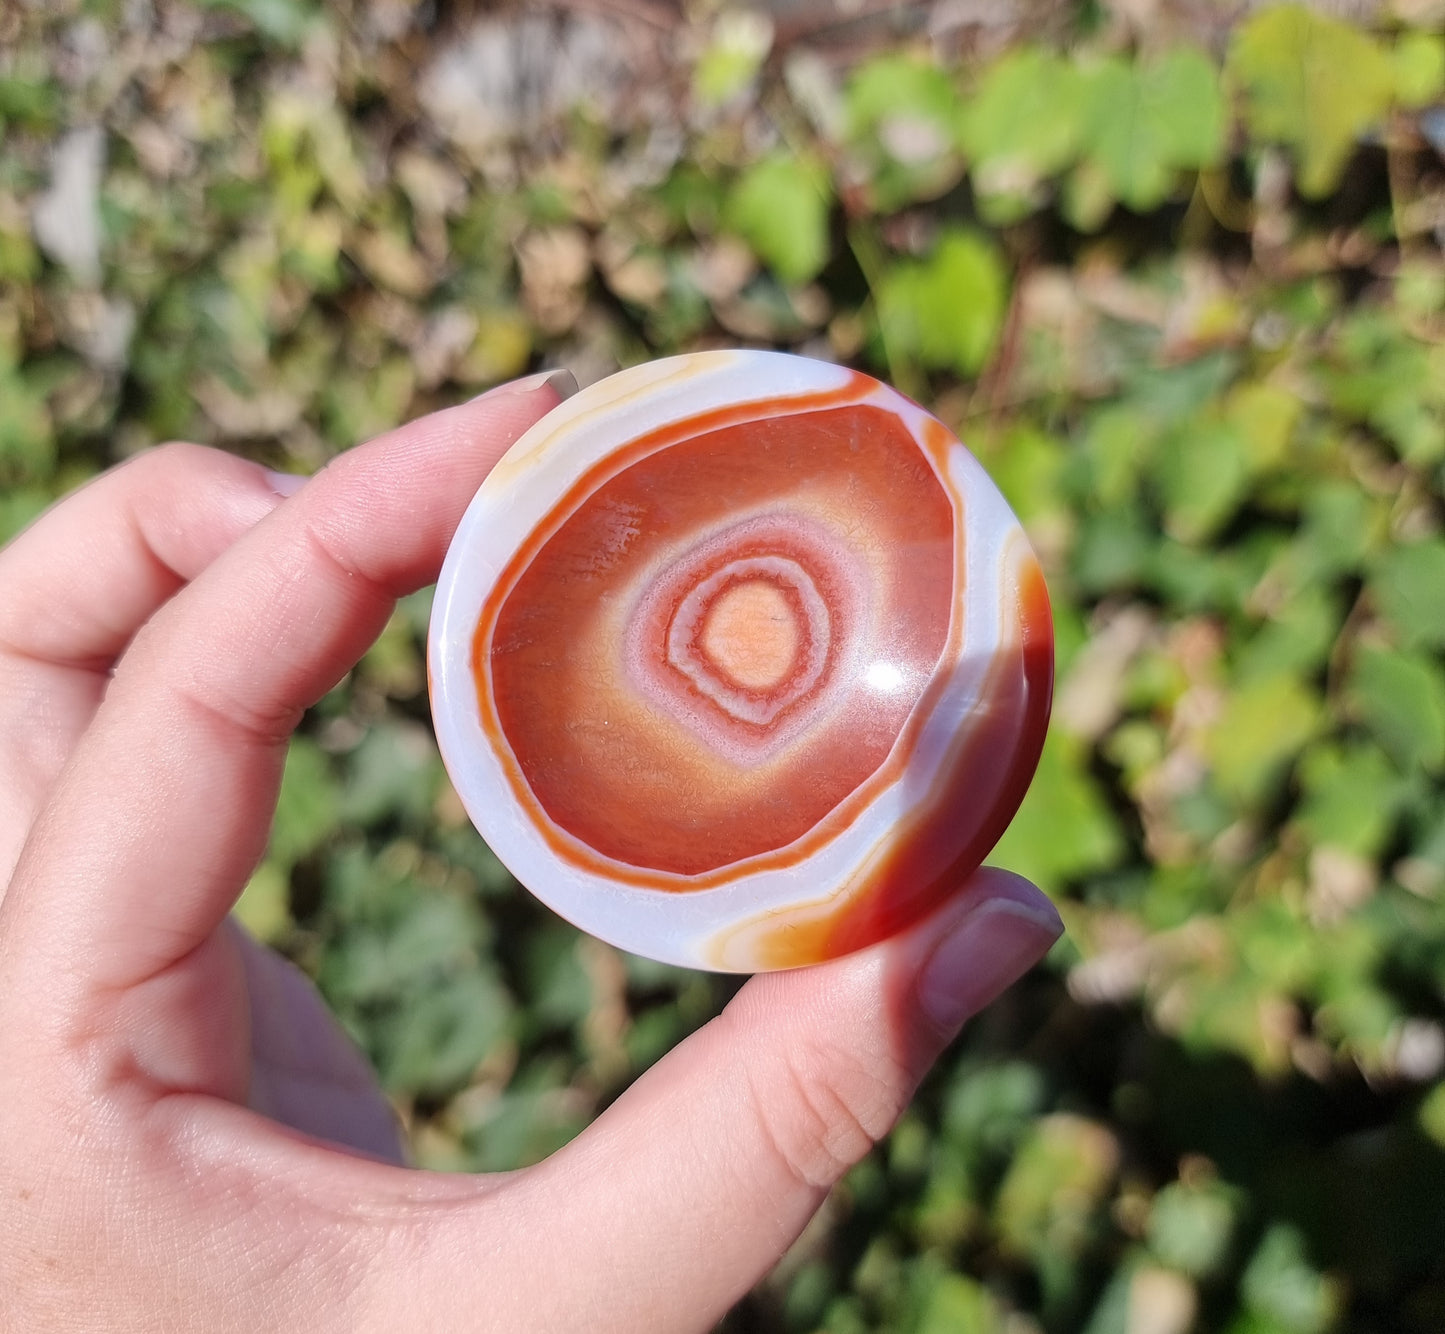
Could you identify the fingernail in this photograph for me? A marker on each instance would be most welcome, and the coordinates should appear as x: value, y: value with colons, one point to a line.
x: 285, y: 483
x: 562, y: 382
x: 990, y: 949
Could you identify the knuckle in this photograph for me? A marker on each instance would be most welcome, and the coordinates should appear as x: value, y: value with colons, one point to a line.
x: 823, y: 1106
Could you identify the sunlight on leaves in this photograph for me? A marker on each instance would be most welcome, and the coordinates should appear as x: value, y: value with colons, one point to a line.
x: 1312, y: 83
x: 780, y: 208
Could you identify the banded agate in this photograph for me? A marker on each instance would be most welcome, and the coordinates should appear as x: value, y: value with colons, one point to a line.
x: 740, y: 661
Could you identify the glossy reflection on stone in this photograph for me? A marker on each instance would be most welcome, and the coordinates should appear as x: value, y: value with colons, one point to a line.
x: 740, y: 661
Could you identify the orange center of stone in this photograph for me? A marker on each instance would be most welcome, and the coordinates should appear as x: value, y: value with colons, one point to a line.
x: 751, y: 635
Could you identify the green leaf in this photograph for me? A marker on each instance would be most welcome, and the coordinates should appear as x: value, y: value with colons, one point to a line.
x: 20, y: 507
x: 1055, y: 1182
x: 1352, y: 797
x: 308, y: 808
x: 1432, y: 1114
x: 1265, y: 416
x: 989, y: 1107
x: 893, y: 85
x: 1113, y: 550
x: 1023, y: 124
x: 264, y: 907
x: 1181, y: 90
x: 558, y: 989
x: 29, y: 103
x: 1382, y: 375
x: 903, y: 116
x: 780, y: 208
x: 1341, y: 526
x: 536, y: 1116
x: 1263, y: 725
x: 1312, y: 83
x: 1401, y: 697
x: 394, y: 773
x: 1296, y: 638
x: 1027, y: 465
x: 27, y: 436
x: 1064, y: 829
x: 1177, y: 394
x: 436, y: 1040
x: 409, y: 939
x: 1203, y: 474
x: 1190, y: 1227
x: 1419, y: 60
x: 1146, y: 122
x: 1111, y: 1312
x: 957, y: 1305
x: 1118, y: 444
x: 741, y: 40
x: 1409, y: 589
x: 1281, y: 1284
x: 946, y: 311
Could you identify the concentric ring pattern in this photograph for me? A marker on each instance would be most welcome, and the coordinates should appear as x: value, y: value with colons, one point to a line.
x: 740, y: 661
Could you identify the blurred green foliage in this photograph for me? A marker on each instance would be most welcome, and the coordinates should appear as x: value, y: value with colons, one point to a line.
x: 1181, y: 289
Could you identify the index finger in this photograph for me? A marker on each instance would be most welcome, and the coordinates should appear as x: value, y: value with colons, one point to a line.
x: 165, y: 807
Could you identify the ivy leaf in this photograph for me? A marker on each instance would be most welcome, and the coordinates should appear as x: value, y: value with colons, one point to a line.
x: 1059, y: 1176
x: 436, y: 1040
x: 19, y: 507
x: 1119, y: 443
x: 1401, y: 696
x: 1352, y: 795
x: 1409, y: 587
x: 1312, y: 83
x: 1204, y: 474
x: 1144, y: 123
x: 1296, y: 638
x: 264, y: 907
x: 1181, y: 90
x: 1263, y: 724
x: 1383, y: 376
x: 903, y: 114
x: 1023, y: 125
x: 780, y: 208
x: 27, y: 435
x: 954, y: 1304
x: 1064, y: 828
x: 1266, y: 417
x: 1419, y: 68
x: 1280, y: 1285
x: 308, y: 807
x: 901, y: 85
x: 395, y: 773
x: 946, y: 311
x: 1190, y: 1226
x: 1340, y: 528
x: 741, y: 40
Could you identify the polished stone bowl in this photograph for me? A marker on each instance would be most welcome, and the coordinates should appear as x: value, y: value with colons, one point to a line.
x: 740, y: 661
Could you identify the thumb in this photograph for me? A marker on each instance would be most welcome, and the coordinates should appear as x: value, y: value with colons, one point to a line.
x: 693, y: 1184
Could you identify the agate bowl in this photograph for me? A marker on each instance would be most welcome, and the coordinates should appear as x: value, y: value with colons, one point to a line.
x: 740, y: 661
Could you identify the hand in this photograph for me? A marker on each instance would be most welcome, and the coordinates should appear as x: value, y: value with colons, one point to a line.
x: 188, y: 1141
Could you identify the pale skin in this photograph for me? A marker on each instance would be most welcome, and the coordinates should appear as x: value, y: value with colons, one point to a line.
x: 188, y: 1140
